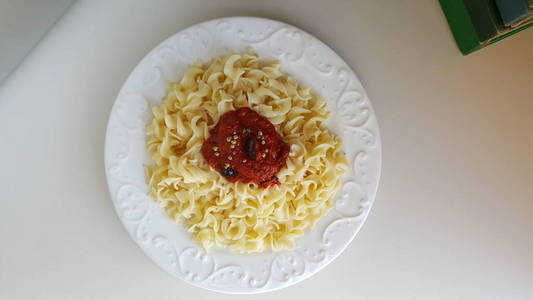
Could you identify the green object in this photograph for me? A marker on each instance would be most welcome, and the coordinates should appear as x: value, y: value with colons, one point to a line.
x: 461, y: 25
x: 477, y: 23
x: 485, y: 18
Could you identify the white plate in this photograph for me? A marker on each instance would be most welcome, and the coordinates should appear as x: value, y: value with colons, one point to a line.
x: 169, y: 245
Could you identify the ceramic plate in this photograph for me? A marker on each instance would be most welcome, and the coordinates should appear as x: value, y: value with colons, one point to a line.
x: 168, y: 244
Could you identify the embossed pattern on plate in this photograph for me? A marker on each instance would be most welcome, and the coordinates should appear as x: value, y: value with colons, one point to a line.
x: 313, y: 64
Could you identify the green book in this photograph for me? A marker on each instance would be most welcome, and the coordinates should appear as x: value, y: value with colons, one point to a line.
x: 478, y: 23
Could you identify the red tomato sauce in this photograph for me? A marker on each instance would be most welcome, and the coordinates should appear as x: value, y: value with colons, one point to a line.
x: 244, y: 146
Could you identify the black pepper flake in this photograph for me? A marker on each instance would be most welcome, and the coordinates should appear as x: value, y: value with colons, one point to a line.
x: 228, y: 172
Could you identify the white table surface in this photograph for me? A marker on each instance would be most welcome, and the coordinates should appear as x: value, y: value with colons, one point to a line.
x: 453, y: 218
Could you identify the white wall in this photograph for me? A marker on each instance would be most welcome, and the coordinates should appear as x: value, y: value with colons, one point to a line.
x: 22, y: 24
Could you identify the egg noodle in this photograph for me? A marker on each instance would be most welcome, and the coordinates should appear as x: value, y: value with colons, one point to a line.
x: 242, y: 216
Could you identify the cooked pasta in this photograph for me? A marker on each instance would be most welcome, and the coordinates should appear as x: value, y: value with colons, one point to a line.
x: 242, y: 216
